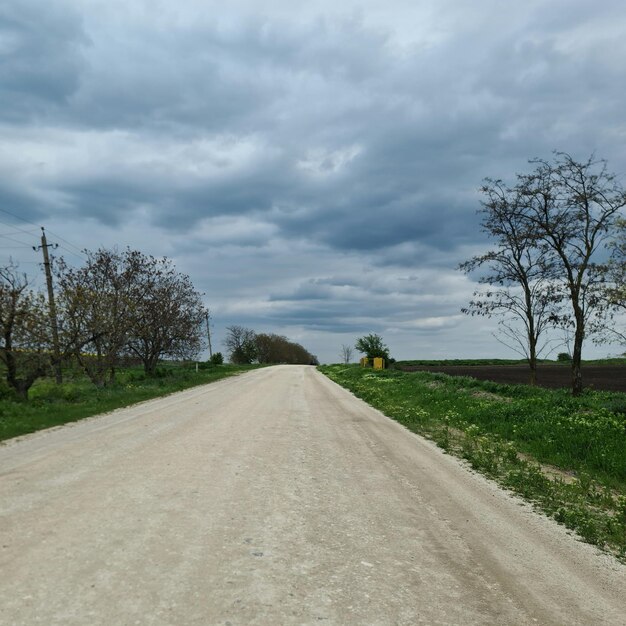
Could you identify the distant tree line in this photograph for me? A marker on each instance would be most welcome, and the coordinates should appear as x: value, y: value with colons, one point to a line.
x: 244, y: 345
x: 558, y: 259
x: 117, y: 305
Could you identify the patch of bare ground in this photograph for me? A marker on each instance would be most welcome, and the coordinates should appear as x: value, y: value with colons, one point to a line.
x: 487, y: 395
x: 550, y: 471
x: 599, y: 377
x: 434, y: 384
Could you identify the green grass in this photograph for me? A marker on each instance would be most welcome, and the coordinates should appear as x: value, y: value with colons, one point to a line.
x: 565, y: 454
x: 50, y: 404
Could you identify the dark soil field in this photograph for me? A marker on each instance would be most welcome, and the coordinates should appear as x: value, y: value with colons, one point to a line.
x: 599, y: 377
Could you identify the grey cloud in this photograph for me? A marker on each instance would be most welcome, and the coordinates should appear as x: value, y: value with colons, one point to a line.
x: 21, y: 203
x: 371, y: 303
x: 427, y: 126
x: 204, y: 77
x: 108, y: 201
x: 41, y: 51
x: 363, y: 140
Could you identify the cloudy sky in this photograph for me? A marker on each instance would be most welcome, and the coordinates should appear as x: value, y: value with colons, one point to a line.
x: 313, y: 168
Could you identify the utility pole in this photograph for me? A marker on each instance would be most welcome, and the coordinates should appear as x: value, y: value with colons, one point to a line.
x: 208, y: 332
x: 51, y: 305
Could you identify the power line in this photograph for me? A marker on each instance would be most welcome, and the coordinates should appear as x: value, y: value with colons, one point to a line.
x: 17, y: 229
x: 82, y: 257
x: 9, y: 258
x: 71, y: 245
x: 18, y: 217
x: 26, y: 245
x: 78, y: 252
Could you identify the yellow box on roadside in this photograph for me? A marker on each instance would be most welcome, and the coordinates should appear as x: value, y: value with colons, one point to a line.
x: 379, y: 363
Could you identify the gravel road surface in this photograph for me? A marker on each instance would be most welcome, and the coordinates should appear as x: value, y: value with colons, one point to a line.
x: 276, y: 497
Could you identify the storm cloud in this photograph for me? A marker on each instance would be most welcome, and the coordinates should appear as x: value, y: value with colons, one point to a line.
x: 314, y: 169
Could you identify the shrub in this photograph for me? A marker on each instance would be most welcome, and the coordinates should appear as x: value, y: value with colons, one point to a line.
x: 217, y: 359
x: 6, y: 392
x: 564, y: 357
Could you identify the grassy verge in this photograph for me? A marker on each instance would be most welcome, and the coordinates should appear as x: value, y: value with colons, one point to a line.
x: 50, y: 404
x: 566, y: 455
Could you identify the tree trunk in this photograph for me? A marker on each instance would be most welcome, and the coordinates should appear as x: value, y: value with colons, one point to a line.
x: 579, y: 335
x: 533, y: 375
x: 150, y: 364
x: 11, y: 366
x: 20, y: 385
x: 96, y: 378
x: 532, y: 361
x: 90, y: 371
x: 24, y: 384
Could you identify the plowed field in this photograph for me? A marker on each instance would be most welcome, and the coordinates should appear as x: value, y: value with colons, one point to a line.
x: 599, y: 377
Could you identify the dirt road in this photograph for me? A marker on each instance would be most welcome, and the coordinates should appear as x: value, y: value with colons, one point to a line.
x: 276, y: 498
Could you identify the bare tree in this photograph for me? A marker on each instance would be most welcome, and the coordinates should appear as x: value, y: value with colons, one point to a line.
x: 573, y: 207
x: 25, y: 342
x: 97, y: 303
x: 241, y: 344
x: 127, y: 302
x: 167, y: 316
x: 346, y: 353
x: 520, y: 275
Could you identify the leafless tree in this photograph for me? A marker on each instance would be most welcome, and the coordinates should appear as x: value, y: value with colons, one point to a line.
x: 346, y: 353
x: 97, y: 303
x: 127, y: 302
x: 167, y: 314
x: 572, y: 207
x: 520, y: 275
x: 25, y: 342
